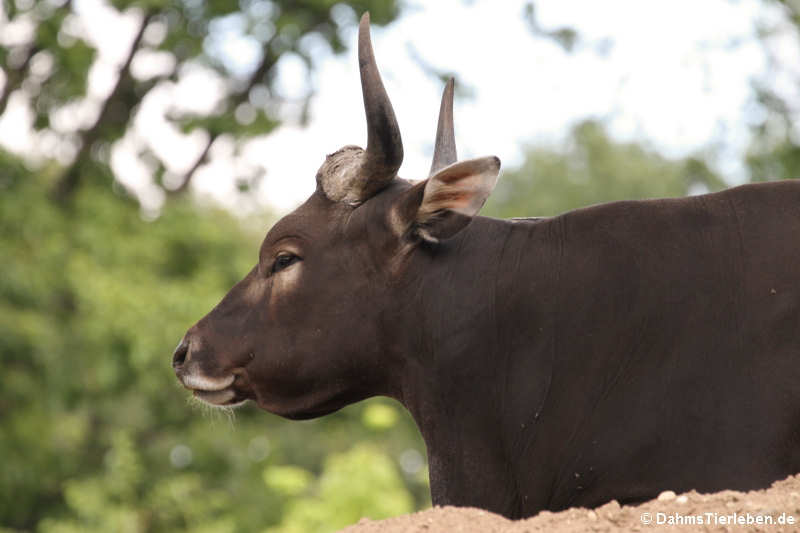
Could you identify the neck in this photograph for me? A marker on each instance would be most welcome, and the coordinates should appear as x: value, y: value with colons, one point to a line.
x: 472, y: 328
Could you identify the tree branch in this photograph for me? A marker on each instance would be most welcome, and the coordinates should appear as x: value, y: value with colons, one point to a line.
x: 15, y: 77
x: 69, y: 180
x: 267, y: 62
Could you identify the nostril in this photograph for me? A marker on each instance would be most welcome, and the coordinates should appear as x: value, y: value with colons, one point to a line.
x: 179, y: 356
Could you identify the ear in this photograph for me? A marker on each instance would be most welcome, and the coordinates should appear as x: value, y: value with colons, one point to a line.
x: 445, y: 203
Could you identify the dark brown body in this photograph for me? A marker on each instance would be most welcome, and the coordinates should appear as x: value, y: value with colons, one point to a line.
x: 617, y: 351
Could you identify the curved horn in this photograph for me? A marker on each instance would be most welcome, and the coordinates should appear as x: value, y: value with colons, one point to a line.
x: 384, y: 145
x: 444, y: 151
x: 352, y: 175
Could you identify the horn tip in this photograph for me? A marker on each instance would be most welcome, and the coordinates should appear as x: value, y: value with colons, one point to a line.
x: 447, y: 95
x: 363, y: 35
x: 448, y: 90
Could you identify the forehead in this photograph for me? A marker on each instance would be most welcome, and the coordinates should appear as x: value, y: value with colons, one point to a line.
x: 319, y: 216
x: 314, y: 217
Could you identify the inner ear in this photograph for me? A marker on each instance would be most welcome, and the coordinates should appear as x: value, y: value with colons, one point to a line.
x: 445, y: 203
x: 462, y: 187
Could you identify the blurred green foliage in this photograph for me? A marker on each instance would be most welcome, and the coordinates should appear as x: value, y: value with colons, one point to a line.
x: 591, y: 168
x: 336, y: 500
x: 775, y: 150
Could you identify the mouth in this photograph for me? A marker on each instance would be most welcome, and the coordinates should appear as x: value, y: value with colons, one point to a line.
x: 225, y: 397
x: 219, y: 391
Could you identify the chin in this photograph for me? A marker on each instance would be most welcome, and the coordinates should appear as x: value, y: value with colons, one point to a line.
x: 297, y: 412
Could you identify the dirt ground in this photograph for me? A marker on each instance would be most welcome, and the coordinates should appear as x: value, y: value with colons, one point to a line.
x: 721, y: 511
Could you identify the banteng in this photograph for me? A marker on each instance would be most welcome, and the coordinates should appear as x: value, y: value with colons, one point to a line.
x: 608, y: 353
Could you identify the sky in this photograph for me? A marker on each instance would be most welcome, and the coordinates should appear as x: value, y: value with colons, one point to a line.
x: 675, y: 75
x: 654, y: 71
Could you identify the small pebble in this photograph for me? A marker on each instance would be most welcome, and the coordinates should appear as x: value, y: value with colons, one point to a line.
x: 666, y: 496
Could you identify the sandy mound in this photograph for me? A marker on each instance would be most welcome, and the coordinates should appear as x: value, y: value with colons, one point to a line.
x: 776, y: 509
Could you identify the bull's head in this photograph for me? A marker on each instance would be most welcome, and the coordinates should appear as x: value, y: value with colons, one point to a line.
x: 327, y: 315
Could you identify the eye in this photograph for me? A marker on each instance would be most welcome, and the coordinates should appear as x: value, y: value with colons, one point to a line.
x: 284, y: 260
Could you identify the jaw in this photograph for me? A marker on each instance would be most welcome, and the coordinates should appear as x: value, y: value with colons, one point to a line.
x: 304, y: 407
x: 304, y: 415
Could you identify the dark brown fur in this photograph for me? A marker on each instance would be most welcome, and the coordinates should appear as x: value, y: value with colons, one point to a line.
x: 609, y: 353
